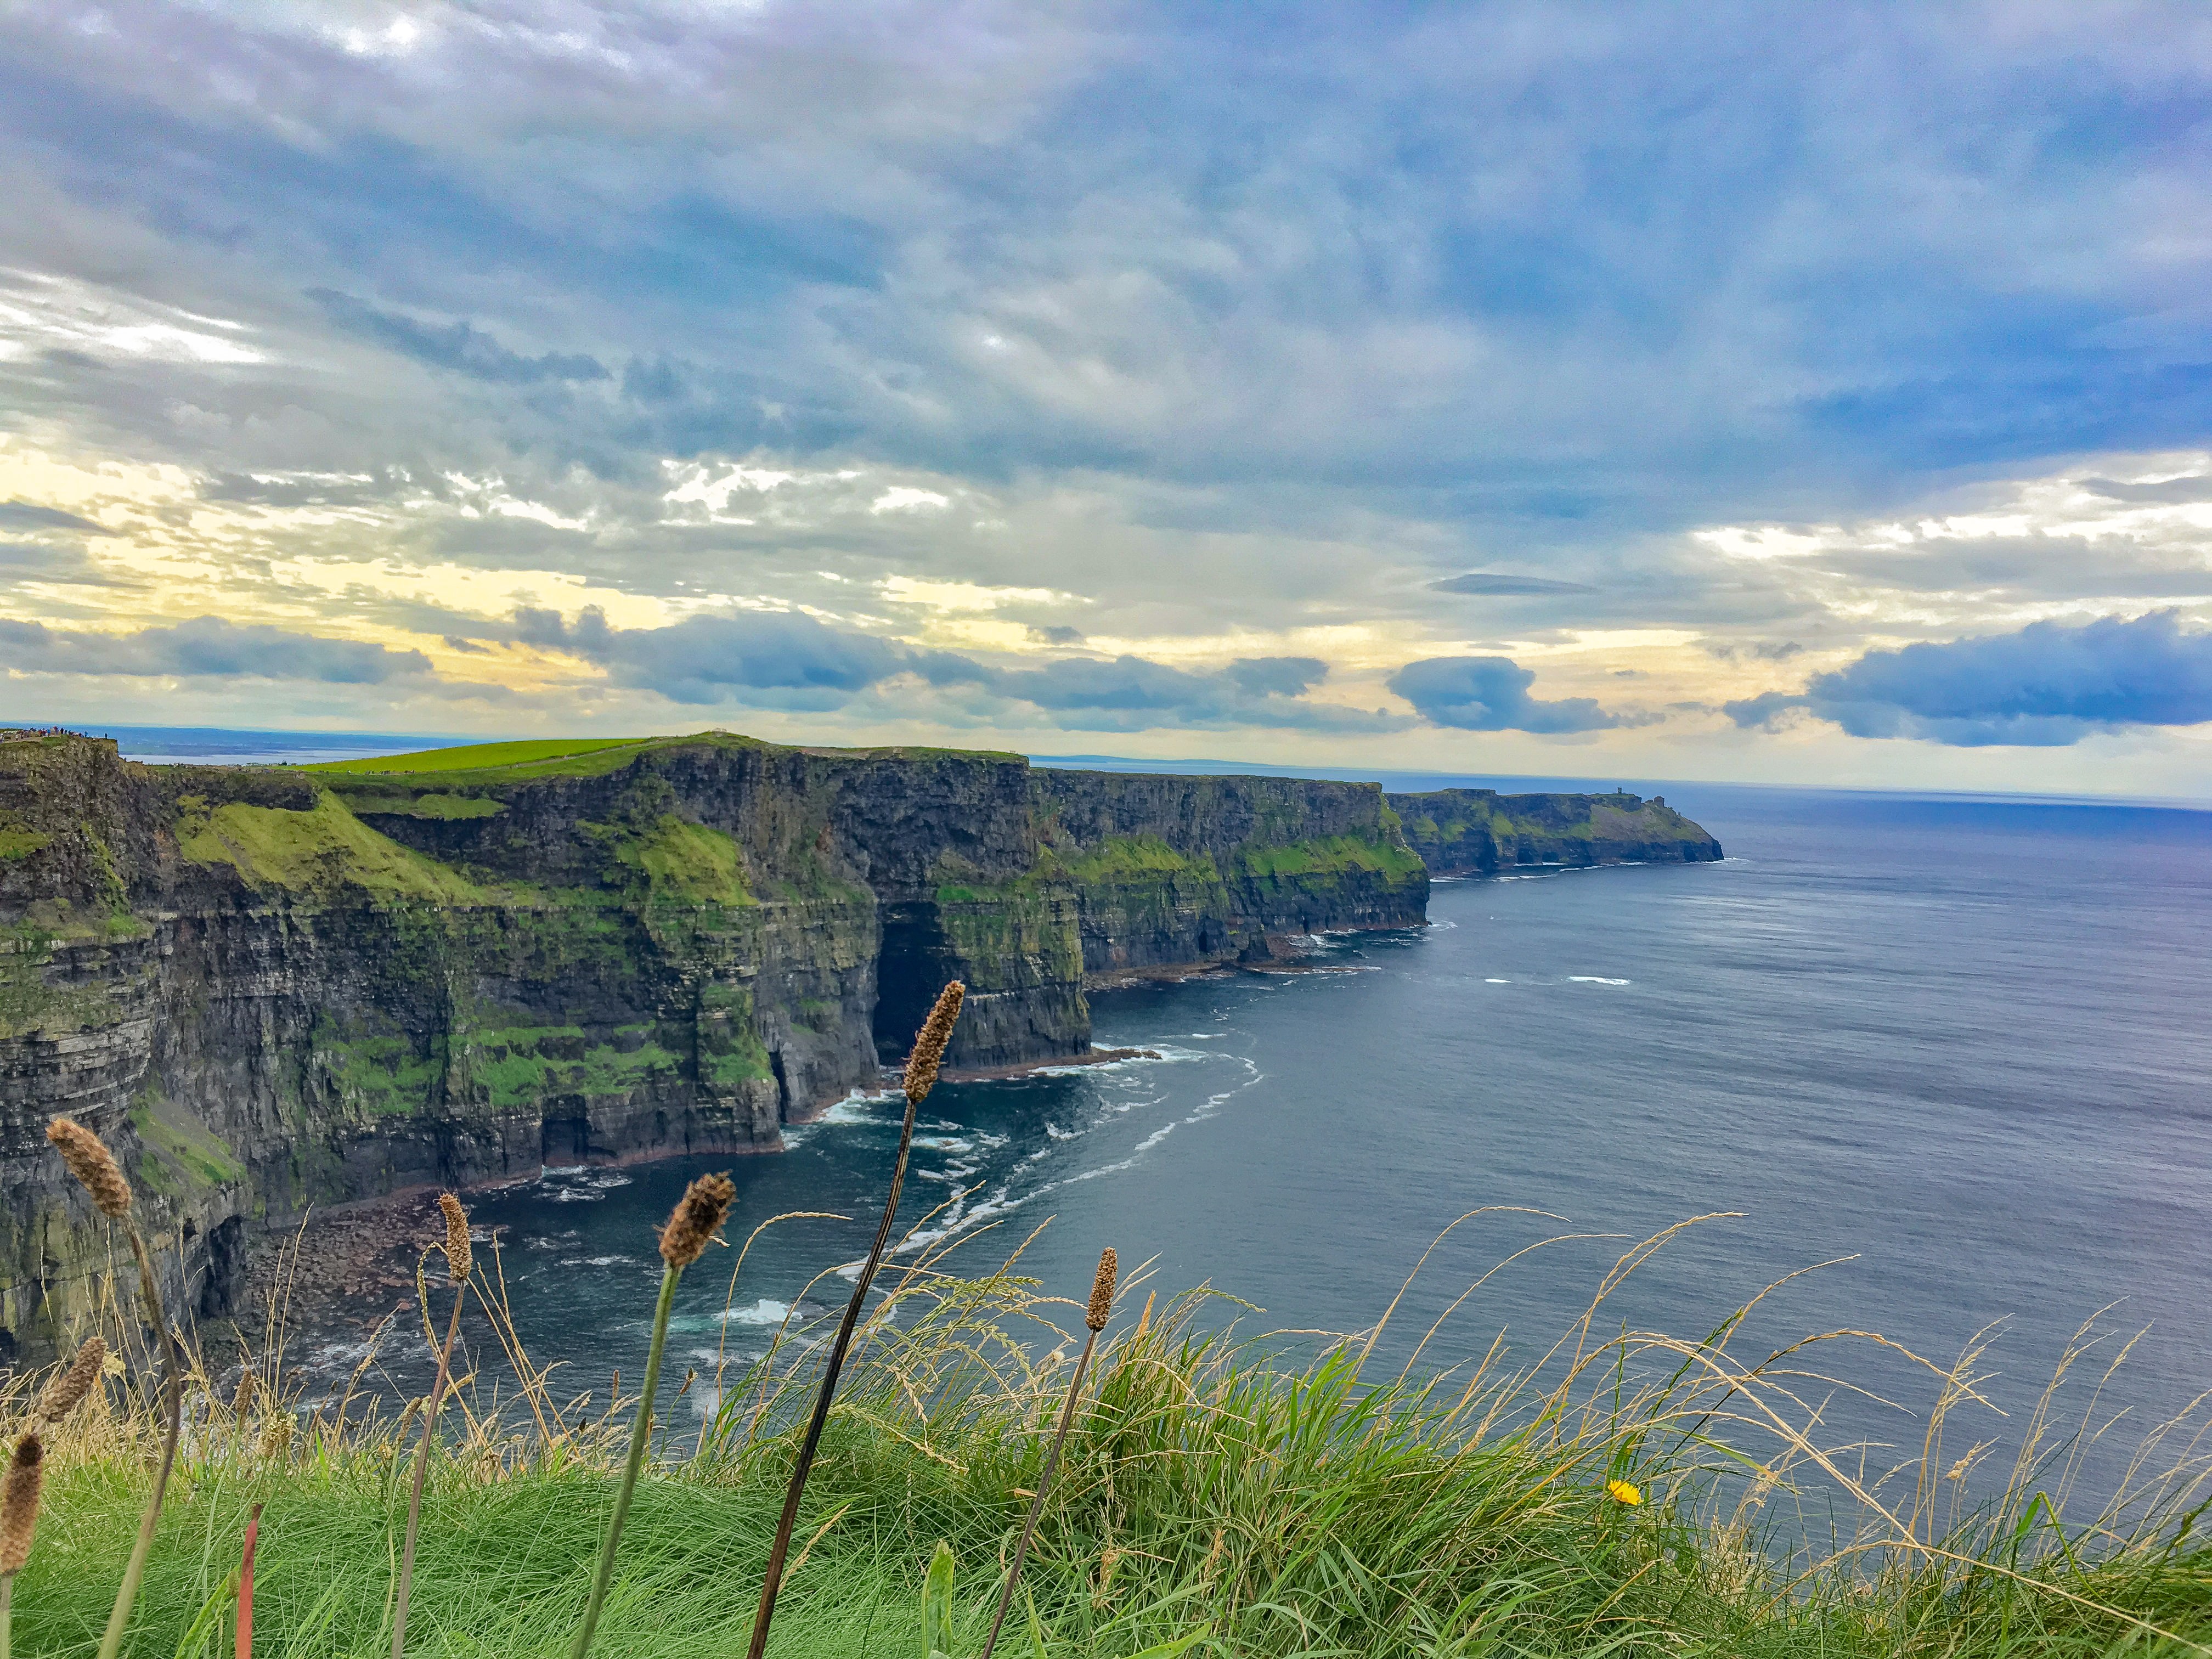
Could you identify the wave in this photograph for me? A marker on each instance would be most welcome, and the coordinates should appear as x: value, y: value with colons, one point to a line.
x: 766, y: 1311
x: 1595, y: 979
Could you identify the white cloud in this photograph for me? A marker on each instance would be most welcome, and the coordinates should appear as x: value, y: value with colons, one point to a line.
x: 43, y: 312
x: 904, y: 498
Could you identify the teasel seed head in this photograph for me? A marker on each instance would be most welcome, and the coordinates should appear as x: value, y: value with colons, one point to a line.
x: 929, y: 1042
x: 1102, y: 1291
x: 19, y: 1504
x: 457, y: 1237
x: 67, y: 1391
x: 698, y: 1216
x: 93, y: 1164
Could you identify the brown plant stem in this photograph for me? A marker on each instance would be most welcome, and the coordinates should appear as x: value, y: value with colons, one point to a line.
x: 782, y: 1547
x: 173, y: 1364
x: 921, y: 1075
x: 421, y: 1468
x: 1094, y: 1319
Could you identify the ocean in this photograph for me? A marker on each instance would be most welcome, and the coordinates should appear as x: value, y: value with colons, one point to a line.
x: 1956, y: 1049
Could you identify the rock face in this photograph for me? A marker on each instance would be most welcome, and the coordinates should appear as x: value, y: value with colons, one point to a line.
x: 268, y: 987
x: 1478, y: 832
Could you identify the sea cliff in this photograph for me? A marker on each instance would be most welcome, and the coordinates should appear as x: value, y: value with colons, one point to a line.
x: 1480, y: 832
x: 270, y: 988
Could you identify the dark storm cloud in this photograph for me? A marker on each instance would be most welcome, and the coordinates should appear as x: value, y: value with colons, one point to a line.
x: 2048, y: 685
x: 206, y: 646
x: 1491, y: 694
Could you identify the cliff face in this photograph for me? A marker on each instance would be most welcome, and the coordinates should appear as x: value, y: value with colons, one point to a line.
x: 1478, y: 832
x: 268, y: 988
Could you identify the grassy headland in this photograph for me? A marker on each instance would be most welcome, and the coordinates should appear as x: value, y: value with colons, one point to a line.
x: 1640, y: 1495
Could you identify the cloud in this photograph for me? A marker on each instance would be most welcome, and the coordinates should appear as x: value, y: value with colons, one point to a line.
x: 1491, y: 694
x: 206, y: 646
x: 1498, y: 584
x: 775, y: 660
x: 460, y: 346
x: 788, y: 660
x: 24, y: 515
x: 2047, y: 685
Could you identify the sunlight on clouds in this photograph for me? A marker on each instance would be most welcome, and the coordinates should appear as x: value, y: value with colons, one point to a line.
x: 41, y: 312
x: 968, y: 596
x: 486, y: 593
x: 902, y: 498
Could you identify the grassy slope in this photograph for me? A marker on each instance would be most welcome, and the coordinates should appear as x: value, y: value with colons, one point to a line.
x: 1296, y: 1509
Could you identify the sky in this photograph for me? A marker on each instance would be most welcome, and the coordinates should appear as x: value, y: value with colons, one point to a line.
x: 1794, y: 394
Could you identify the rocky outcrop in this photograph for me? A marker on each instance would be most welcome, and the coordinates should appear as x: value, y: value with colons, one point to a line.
x: 269, y: 988
x: 1480, y: 832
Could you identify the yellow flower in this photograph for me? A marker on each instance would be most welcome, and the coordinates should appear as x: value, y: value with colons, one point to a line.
x: 1624, y: 1491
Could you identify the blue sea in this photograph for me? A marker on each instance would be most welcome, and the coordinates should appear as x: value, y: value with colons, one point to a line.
x: 1957, y: 1050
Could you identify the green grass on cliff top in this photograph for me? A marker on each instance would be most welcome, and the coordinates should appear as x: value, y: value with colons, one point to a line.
x: 536, y: 757
x: 479, y: 756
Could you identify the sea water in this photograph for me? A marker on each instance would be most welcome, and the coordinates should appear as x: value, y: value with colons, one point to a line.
x: 1956, y: 1049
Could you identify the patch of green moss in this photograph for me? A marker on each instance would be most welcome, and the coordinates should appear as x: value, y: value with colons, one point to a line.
x: 1332, y: 855
x: 675, y: 860
x: 31, y: 1002
x: 379, y: 1074
x: 18, y: 842
x: 320, y: 851
x: 182, y: 1154
x: 730, y: 1051
x: 524, y: 1066
x: 1125, y: 857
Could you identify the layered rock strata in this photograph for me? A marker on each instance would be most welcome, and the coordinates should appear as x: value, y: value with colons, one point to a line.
x: 270, y: 987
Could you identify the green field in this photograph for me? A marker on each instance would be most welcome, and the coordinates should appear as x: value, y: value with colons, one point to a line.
x: 480, y: 756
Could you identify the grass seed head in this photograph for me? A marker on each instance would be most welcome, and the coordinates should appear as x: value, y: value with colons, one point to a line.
x: 457, y: 1237
x: 1102, y: 1290
x: 929, y: 1044
x: 67, y: 1391
x: 242, y: 1401
x: 93, y: 1164
x: 699, y: 1215
x: 19, y: 1504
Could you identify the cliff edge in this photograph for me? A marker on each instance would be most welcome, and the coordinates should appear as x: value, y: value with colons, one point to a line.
x: 269, y: 988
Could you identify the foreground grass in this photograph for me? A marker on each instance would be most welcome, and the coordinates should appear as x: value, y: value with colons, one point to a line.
x: 1290, y: 1507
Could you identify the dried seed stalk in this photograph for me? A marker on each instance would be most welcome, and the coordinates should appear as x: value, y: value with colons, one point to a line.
x: 1094, y: 1320
x: 929, y: 1045
x: 67, y: 1391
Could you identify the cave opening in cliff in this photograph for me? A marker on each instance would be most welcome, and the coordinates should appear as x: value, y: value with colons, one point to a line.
x: 912, y: 965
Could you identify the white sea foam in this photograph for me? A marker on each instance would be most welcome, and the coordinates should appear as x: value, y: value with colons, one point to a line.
x: 1053, y: 1132
x: 1156, y: 1137
x: 1594, y: 979
x: 766, y: 1311
x: 1497, y: 982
